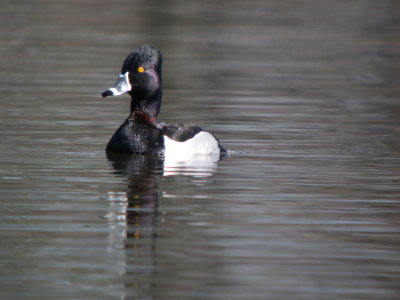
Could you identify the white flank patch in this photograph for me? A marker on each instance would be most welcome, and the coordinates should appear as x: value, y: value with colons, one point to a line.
x: 202, y: 144
x: 194, y: 157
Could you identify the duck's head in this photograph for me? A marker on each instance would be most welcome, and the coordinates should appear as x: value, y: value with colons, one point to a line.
x: 140, y: 77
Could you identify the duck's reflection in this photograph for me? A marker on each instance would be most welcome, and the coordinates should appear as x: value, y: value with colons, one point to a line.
x: 197, y: 165
x: 139, y: 201
x: 134, y: 216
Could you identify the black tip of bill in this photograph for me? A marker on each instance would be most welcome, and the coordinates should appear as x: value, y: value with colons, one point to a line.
x: 107, y: 93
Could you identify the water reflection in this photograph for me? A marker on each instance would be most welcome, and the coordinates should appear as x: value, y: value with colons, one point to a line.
x: 134, y: 211
x: 197, y: 165
x: 134, y: 215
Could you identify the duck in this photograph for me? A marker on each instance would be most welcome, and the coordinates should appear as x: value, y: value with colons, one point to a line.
x: 141, y: 132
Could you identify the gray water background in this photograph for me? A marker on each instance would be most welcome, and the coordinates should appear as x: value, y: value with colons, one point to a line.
x: 305, y: 94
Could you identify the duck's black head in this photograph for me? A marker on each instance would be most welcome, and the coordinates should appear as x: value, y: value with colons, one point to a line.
x: 141, y: 78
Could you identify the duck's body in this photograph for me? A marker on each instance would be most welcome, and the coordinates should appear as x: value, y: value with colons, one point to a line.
x: 134, y: 137
x: 141, y: 133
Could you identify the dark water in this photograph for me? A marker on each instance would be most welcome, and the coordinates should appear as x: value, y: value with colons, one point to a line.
x: 304, y: 93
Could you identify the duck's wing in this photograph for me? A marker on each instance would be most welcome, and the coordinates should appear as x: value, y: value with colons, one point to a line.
x: 180, y: 132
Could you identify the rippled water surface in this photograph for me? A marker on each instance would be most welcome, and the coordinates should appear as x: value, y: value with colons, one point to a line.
x: 306, y: 96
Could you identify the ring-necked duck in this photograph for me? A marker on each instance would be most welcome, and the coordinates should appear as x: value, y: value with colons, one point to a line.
x: 141, y: 133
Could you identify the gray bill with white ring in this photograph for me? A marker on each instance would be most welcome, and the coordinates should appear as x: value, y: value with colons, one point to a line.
x: 121, y: 86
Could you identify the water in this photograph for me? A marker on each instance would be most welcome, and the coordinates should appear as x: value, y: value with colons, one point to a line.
x: 305, y: 95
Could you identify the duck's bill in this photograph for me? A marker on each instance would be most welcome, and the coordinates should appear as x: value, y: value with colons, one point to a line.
x: 121, y: 86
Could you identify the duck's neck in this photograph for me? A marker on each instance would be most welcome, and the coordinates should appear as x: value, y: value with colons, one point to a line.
x: 144, y: 109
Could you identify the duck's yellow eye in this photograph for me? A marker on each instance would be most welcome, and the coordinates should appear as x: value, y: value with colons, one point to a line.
x: 140, y: 69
